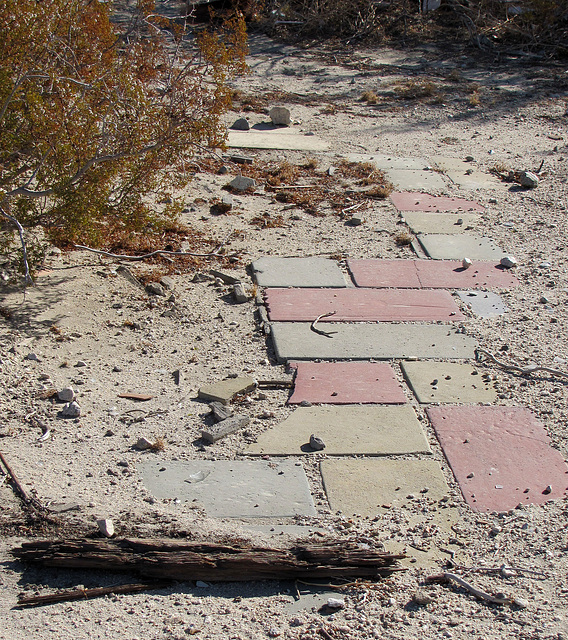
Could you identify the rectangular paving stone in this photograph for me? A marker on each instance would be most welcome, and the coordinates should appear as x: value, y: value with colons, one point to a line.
x: 362, y: 487
x: 224, y: 390
x: 233, y: 488
x: 484, y: 304
x: 422, y: 222
x: 441, y: 246
x: 431, y: 274
x: 346, y: 430
x: 500, y: 456
x: 275, y: 139
x: 352, y: 305
x: 466, y: 174
x: 434, y: 382
x: 384, y: 161
x: 296, y: 341
x: 409, y: 201
x: 346, y: 383
x: 415, y: 179
x: 297, y: 272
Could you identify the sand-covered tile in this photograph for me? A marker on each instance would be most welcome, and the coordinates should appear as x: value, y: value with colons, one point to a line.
x: 484, y: 304
x: 385, y: 161
x: 297, y: 272
x: 233, y: 488
x: 442, y: 246
x: 284, y: 139
x: 346, y: 383
x: 345, y: 430
x: 500, y: 456
x: 450, y: 382
x: 466, y: 174
x: 416, y: 201
x: 421, y: 222
x: 361, y: 305
x: 370, y: 487
x: 365, y: 341
x: 409, y: 179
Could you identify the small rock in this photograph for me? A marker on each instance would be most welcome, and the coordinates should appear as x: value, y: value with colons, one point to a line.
x: 223, y: 171
x: 280, y: 116
x: 224, y: 206
x: 421, y: 598
x: 155, y: 289
x: 242, y: 124
x: 507, y: 573
x: 201, y: 585
x: 142, y: 444
x: 521, y: 603
x: 66, y: 395
x: 32, y: 356
x: 167, y: 283
x: 356, y: 221
x: 495, y: 530
x: 469, y: 158
x: 330, y: 171
x: 81, y: 363
x: 305, y: 403
x: 317, y: 444
x: 240, y: 293
x: 466, y: 263
x: 273, y: 632
x: 544, y: 300
x: 220, y: 411
x: 242, y: 183
x: 528, y: 179
x: 547, y: 490
x: 335, y: 603
x: 508, y: 262
x: 71, y: 410
x: 106, y: 527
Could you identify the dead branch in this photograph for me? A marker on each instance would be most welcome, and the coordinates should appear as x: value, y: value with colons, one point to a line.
x: 29, y: 502
x: 478, y: 593
x: 186, y: 560
x: 27, y: 276
x: 531, y: 368
x: 327, y: 334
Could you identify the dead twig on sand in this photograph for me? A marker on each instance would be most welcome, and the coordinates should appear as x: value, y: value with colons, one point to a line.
x: 531, y: 368
x: 32, y: 503
x: 327, y: 334
x: 499, y: 598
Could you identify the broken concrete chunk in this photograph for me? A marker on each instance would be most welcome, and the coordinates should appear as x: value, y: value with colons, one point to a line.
x: 508, y: 262
x: 220, y: 411
x: 224, y: 428
x: 128, y: 275
x: 238, y: 159
x: 71, y: 410
x: 280, y: 116
x: 225, y: 390
x: 106, y: 527
x: 66, y: 395
x: 528, y: 179
x: 240, y: 293
x: 225, y: 277
x: 242, y: 183
x: 242, y: 124
x: 155, y: 289
x: 167, y: 283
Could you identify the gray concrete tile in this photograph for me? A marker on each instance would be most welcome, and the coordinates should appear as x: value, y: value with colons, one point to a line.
x: 277, y: 138
x: 361, y: 341
x: 422, y: 222
x: 410, y: 179
x: 346, y: 430
x: 297, y: 272
x: 484, y: 304
x: 447, y: 382
x: 441, y: 246
x: 466, y: 174
x: 384, y: 161
x: 233, y: 488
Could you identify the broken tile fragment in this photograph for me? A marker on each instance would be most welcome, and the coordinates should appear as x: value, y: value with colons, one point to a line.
x: 225, y: 390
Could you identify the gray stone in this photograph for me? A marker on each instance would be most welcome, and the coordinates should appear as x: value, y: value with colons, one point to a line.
x: 225, y: 390
x: 280, y: 116
x: 442, y: 246
x: 297, y: 272
x: 106, y: 527
x: 71, y: 410
x: 33, y: 356
x: 167, y: 283
x: 155, y: 289
x: 81, y: 363
x: 283, y: 139
x: 361, y: 341
x: 224, y: 428
x: 528, y: 179
x: 356, y: 220
x: 242, y: 124
x: 220, y: 411
x: 484, y: 304
x: 508, y: 262
x: 128, y: 275
x: 346, y: 430
x: 143, y: 444
x: 227, y: 278
x: 317, y: 444
x: 242, y: 183
x: 224, y: 205
x: 240, y: 293
x: 233, y: 488
x: 66, y: 395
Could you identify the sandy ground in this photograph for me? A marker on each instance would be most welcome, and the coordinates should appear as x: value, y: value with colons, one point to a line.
x: 509, y: 114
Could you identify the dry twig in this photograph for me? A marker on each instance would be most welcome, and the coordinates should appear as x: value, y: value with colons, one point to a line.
x: 327, y: 334
x: 531, y: 368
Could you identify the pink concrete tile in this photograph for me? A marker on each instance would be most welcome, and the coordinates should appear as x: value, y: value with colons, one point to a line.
x: 383, y: 274
x: 449, y: 274
x: 346, y: 383
x: 500, y: 456
x: 414, y: 201
x: 360, y: 305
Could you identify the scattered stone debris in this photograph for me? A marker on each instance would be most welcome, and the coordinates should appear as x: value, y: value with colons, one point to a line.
x: 220, y: 411
x: 280, y: 116
x: 238, y: 159
x: 225, y: 277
